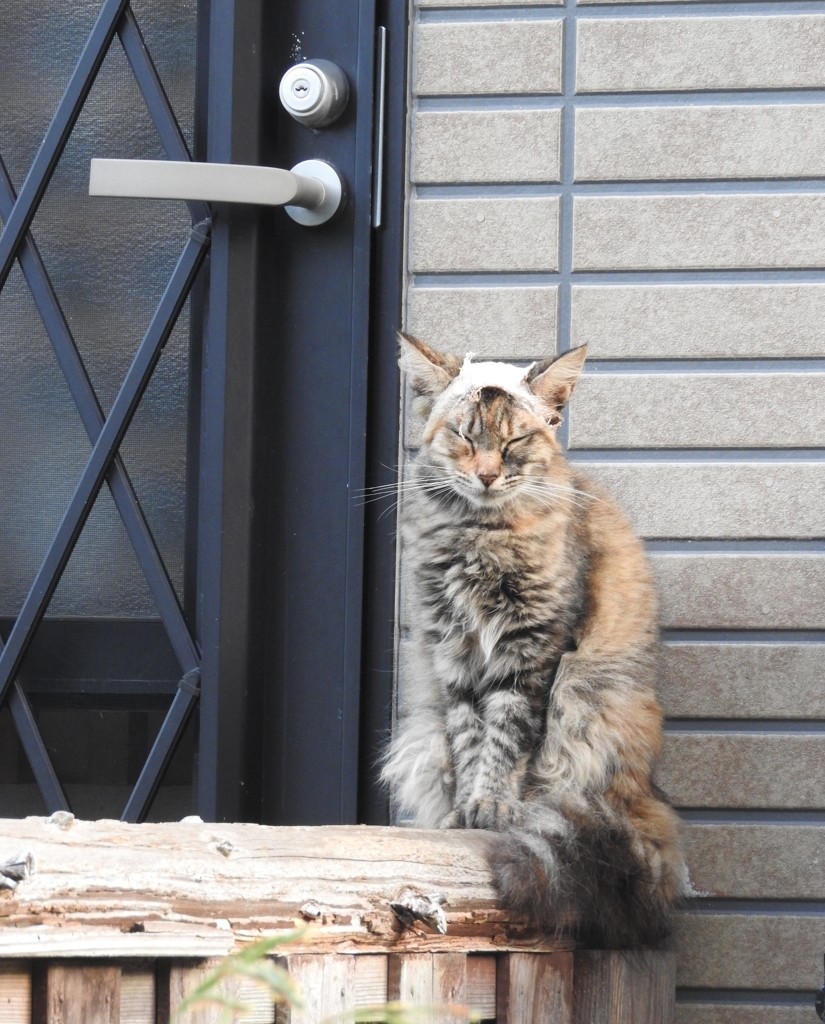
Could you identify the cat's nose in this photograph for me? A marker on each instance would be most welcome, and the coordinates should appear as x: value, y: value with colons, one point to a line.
x: 488, y: 478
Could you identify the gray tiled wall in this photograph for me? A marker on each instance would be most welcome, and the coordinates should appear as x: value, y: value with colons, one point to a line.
x: 649, y: 179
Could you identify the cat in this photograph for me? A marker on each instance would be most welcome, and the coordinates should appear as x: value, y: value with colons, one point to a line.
x: 534, y: 636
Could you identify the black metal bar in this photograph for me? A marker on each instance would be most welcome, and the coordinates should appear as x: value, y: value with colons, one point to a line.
x: 102, y: 454
x: 157, y: 102
x: 58, y: 132
x: 92, y: 417
x: 162, y: 749
x: 38, y: 757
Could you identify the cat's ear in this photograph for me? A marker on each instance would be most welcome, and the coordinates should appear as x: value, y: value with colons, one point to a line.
x: 429, y: 371
x: 554, y: 382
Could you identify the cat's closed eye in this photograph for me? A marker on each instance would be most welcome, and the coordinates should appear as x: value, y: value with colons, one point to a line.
x: 459, y: 433
x: 506, y: 448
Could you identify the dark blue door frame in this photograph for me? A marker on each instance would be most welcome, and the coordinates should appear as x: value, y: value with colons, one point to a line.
x: 298, y: 371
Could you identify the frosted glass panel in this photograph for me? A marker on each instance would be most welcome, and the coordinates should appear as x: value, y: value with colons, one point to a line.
x: 109, y: 262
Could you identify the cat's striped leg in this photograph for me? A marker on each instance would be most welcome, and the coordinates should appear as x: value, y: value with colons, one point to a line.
x: 509, y: 717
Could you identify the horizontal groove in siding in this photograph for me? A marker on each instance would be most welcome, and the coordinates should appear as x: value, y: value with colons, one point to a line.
x: 743, y: 636
x: 473, y: 10
x: 621, y: 100
x: 746, y: 726
x: 732, y: 996
x: 505, y: 278
x: 721, y: 907
x: 687, y: 455
x: 750, y: 815
x: 735, y: 547
x: 707, y: 366
x: 513, y: 188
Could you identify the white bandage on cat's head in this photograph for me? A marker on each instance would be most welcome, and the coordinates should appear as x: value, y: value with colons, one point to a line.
x: 474, y: 376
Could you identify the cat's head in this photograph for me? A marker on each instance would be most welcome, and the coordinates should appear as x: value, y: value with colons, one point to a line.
x: 490, y: 427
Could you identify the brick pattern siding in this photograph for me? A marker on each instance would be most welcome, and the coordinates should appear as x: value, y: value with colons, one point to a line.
x: 650, y: 179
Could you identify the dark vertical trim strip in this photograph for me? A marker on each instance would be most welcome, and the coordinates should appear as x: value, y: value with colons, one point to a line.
x: 363, y: 189
x: 228, y: 785
x: 382, y: 428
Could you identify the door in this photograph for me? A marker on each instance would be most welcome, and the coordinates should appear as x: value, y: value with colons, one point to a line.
x: 187, y: 391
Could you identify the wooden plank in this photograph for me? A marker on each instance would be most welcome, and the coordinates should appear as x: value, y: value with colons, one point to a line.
x: 449, y: 983
x: 533, y: 987
x: 326, y: 985
x: 183, y: 978
x: 624, y: 987
x: 77, y: 993
x: 370, y: 985
x: 435, y: 984
x: 481, y: 985
x: 108, y: 888
x: 100, y: 938
x: 15, y: 994
x: 410, y: 980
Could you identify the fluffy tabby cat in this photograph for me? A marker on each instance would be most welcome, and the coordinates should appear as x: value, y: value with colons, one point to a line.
x: 534, y: 632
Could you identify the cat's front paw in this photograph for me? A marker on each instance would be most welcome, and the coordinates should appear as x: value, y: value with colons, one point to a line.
x: 491, y: 813
x: 455, y: 819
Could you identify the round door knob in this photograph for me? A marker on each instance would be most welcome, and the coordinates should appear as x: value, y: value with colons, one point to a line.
x: 314, y: 92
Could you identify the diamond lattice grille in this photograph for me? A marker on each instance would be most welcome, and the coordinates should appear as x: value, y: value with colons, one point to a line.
x: 103, y: 401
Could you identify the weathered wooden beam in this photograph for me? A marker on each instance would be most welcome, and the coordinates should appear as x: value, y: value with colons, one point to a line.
x: 188, y: 892
x: 110, y: 889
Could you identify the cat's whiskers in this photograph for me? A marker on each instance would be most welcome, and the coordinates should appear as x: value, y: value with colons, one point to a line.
x: 406, y: 486
x: 550, y: 494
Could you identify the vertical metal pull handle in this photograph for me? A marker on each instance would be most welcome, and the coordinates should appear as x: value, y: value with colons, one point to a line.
x: 311, y: 192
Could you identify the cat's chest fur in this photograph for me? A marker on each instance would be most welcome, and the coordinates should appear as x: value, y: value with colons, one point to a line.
x: 496, y: 600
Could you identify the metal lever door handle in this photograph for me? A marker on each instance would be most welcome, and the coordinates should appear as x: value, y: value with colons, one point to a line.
x: 311, y: 192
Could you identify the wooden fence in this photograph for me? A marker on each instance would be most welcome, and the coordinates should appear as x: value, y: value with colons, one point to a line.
x: 117, y: 923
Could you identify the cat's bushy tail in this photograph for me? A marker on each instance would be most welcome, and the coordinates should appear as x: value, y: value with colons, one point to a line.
x: 588, y: 872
